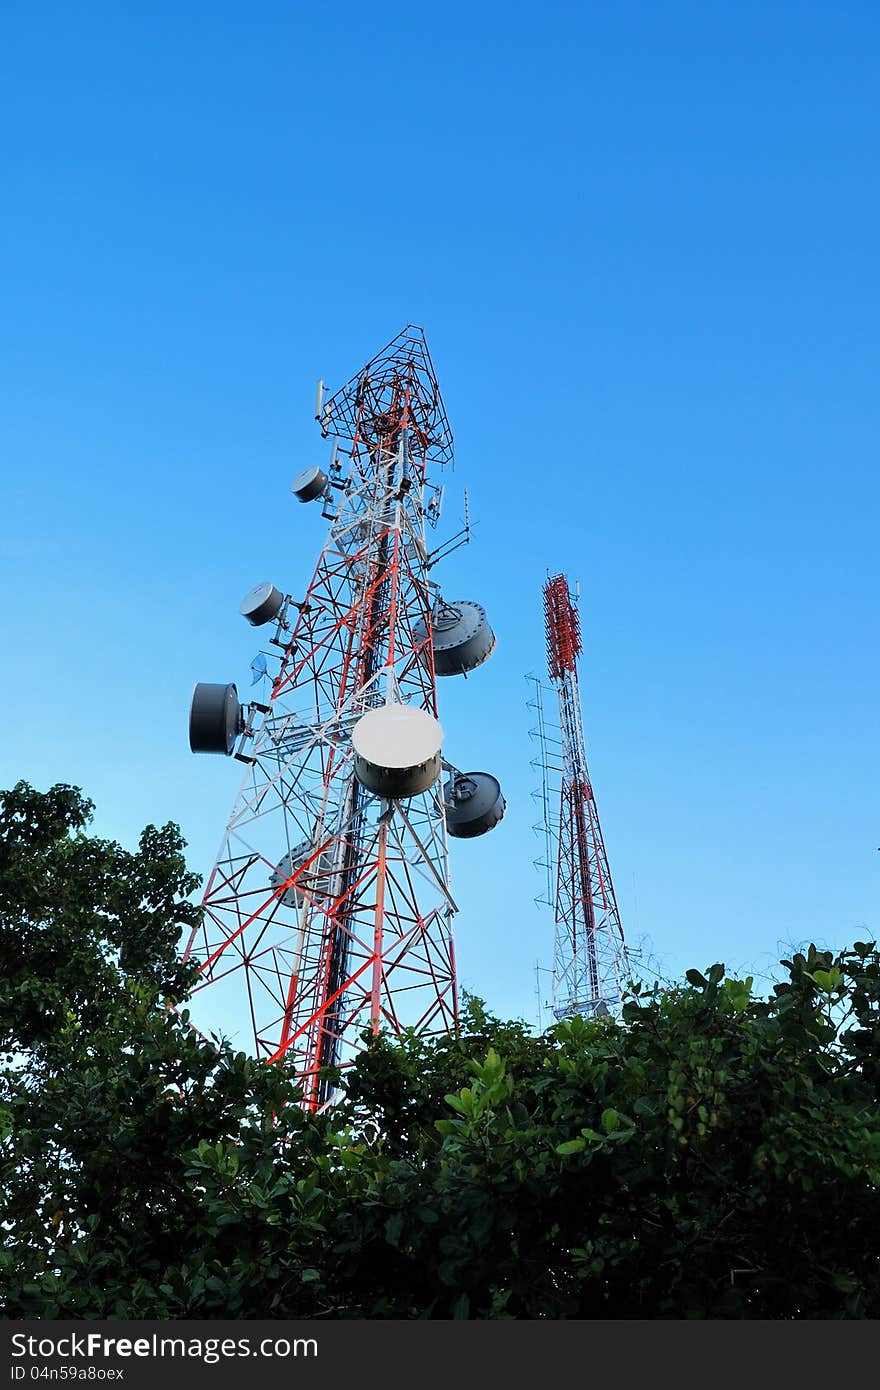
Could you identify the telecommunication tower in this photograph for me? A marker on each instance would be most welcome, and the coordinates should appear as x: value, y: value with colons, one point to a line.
x: 329, y: 909
x: 589, y: 953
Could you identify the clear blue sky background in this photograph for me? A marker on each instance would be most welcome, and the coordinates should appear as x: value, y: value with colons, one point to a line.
x: 642, y: 240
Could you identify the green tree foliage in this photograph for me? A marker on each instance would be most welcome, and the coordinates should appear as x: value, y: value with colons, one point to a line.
x: 715, y: 1155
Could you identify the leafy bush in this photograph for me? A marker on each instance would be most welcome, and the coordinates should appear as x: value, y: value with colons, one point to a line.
x: 714, y: 1154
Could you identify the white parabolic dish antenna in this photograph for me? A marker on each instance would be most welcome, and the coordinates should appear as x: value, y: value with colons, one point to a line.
x: 397, y: 750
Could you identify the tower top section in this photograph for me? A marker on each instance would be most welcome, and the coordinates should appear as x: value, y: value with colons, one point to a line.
x: 563, y: 627
x: 397, y: 389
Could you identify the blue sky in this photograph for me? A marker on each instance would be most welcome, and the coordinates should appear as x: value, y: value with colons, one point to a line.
x: 642, y: 240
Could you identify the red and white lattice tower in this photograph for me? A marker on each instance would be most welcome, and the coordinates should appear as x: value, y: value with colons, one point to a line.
x: 329, y: 910
x: 589, y: 957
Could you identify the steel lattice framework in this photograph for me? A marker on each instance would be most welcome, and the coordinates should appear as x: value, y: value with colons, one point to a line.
x: 329, y: 908
x: 589, y: 958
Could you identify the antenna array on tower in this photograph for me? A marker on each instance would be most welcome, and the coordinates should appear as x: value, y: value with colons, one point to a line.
x: 329, y: 909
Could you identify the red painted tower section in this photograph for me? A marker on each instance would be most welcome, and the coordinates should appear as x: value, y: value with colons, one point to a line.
x: 589, y: 966
x: 329, y: 909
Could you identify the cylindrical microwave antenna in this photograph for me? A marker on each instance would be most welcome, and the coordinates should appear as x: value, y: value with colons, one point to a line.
x: 215, y: 718
x: 461, y: 637
x: 397, y: 751
x: 261, y: 604
x: 473, y: 804
x: 313, y: 879
x: 309, y: 484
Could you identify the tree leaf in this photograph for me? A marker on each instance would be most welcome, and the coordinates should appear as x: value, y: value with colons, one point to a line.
x: 571, y: 1146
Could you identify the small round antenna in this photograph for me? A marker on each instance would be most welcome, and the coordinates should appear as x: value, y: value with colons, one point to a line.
x: 261, y: 604
x: 473, y: 804
x: 314, y: 880
x: 215, y: 718
x: 462, y: 638
x: 397, y: 750
x: 309, y: 484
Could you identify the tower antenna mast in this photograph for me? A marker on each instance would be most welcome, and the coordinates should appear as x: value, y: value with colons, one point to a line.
x: 329, y: 909
x: 589, y: 957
